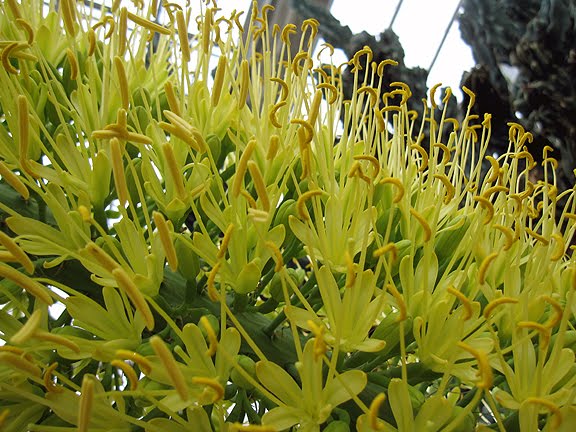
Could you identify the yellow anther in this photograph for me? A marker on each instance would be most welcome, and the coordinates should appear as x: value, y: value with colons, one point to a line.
x: 356, y: 171
x: 447, y: 96
x: 212, y: 292
x: 68, y: 10
x: 383, y: 64
x: 283, y: 85
x: 307, y: 128
x: 315, y: 107
x: 225, y: 241
x: 483, y: 269
x: 325, y: 46
x: 494, y: 189
x: 152, y: 26
x: 14, y: 8
x: 142, y: 362
x: 170, y: 366
x: 464, y: 300
x: 311, y: 24
x: 17, y: 252
x: 529, y: 190
x: 350, y: 270
x: 399, y: 302
x: 373, y: 161
x: 128, y: 372
x: 445, y: 152
x: 422, y: 221
x: 258, y: 216
x: 14, y: 181
x: 495, y: 169
x: 560, y: 247
x: 380, y: 122
x: 29, y: 329
x: 551, y: 161
x: 174, y: 170
x: 277, y: 255
x: 183, y: 35
x: 375, y: 405
x: 213, y: 384
x: 484, y: 368
x: 236, y: 19
x: 206, y: 27
x: 164, y: 231
x: 526, y: 136
x: 211, y: 334
x: 20, y: 363
x: 101, y: 257
x: 57, y: 339
x: 433, y: 93
x: 23, y: 130
x: 537, y: 236
x: 486, y: 205
x: 529, y: 159
x: 127, y: 285
x: 356, y: 59
x: 470, y: 94
x: 454, y: 122
x: 122, y: 82
x: 333, y: 91
x: 301, y: 203
x: 302, y: 55
x: 399, y: 186
x: 390, y: 247
x: 241, y: 168
x: 515, y: 130
x: 51, y: 387
x: 497, y: 302
x: 251, y: 201
x: 273, y: 147
x: 551, y: 406
x: 372, y: 92
x: 259, y: 184
x: 508, y: 234
x: 558, y: 312
x: 391, y: 108
x: 31, y: 286
x: 73, y: 64
x: 171, y: 98
x: 219, y: 80
x: 540, y: 328
x: 85, y: 214
x: 405, y: 90
x: 450, y: 189
x: 288, y: 30
x: 86, y: 403
x: 22, y: 23
x: 122, y: 32
x: 118, y: 171
x: 244, y: 83
x: 320, y: 346
x: 272, y: 115
x: 5, y: 58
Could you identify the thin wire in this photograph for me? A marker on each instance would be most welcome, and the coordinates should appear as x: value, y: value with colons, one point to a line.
x: 396, y: 13
x: 445, y: 35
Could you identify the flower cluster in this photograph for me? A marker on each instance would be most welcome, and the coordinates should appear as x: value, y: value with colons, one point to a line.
x: 199, y: 233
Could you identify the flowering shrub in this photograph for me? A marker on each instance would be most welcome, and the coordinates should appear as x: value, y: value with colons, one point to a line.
x: 188, y: 242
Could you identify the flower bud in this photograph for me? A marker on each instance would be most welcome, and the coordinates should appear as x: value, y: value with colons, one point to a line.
x: 249, y: 367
